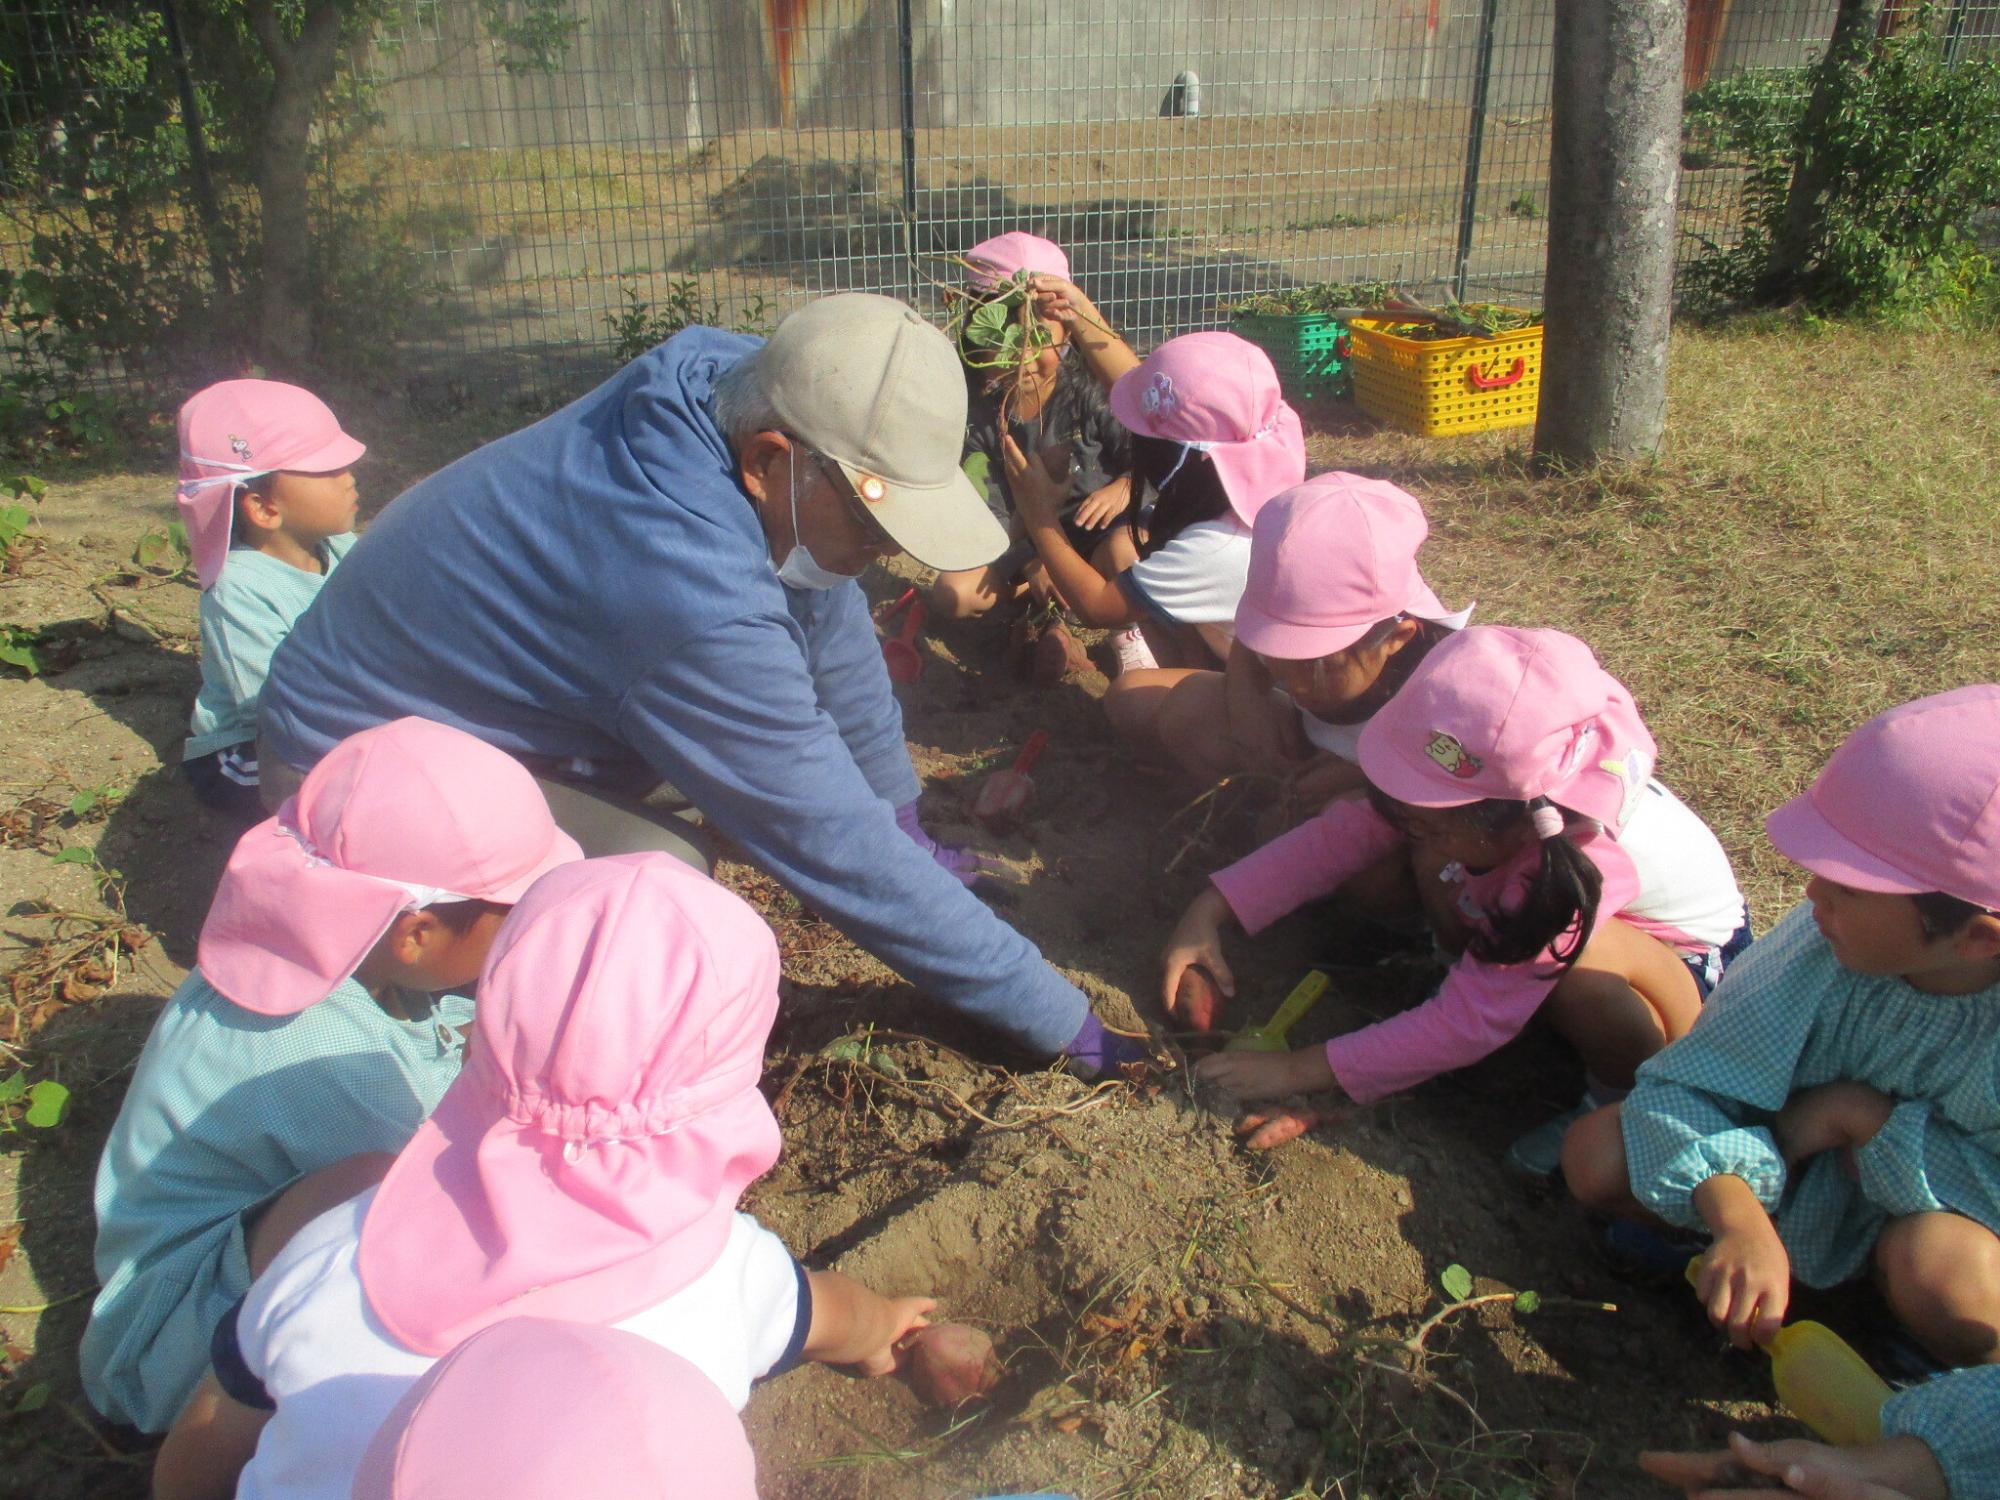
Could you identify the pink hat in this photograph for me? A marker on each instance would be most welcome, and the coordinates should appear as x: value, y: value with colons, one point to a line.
x: 1331, y: 559
x: 1006, y: 255
x: 586, y: 1162
x: 1909, y: 803
x: 532, y: 1407
x: 1219, y: 394
x: 394, y: 819
x: 1500, y: 712
x: 240, y: 429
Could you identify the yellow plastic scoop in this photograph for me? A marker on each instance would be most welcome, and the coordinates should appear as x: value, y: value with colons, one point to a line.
x: 1270, y: 1037
x: 1822, y: 1381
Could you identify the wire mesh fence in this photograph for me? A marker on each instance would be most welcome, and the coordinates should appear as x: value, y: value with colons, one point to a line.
x: 726, y: 159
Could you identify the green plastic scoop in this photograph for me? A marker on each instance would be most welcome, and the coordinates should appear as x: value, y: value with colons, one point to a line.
x: 1270, y: 1037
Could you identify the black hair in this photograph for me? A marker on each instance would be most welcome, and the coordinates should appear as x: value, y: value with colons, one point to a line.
x: 1945, y: 916
x: 1396, y: 670
x: 1193, y: 494
x: 458, y: 917
x: 1559, y: 911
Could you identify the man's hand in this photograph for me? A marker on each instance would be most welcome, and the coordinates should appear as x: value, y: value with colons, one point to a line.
x: 1038, y: 495
x: 1196, y: 940
x: 1251, y: 1076
x: 1104, y: 506
x: 1833, y: 1117
x: 1793, y: 1466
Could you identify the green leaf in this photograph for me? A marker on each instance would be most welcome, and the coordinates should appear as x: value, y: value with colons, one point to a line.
x: 12, y: 1087
x: 17, y: 649
x: 75, y: 854
x: 1456, y: 1281
x: 1527, y: 1302
x: 34, y: 1398
x: 83, y: 802
x: 47, y: 1102
x: 14, y: 520
x: 989, y: 323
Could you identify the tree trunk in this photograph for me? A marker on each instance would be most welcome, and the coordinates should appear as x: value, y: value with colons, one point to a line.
x: 301, y: 72
x: 1613, y: 170
x: 1854, y: 32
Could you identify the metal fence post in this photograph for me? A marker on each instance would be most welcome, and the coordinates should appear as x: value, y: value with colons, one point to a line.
x: 1475, y: 141
x: 906, y: 47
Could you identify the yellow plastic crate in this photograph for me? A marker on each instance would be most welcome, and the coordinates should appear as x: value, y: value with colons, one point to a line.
x: 1437, y: 387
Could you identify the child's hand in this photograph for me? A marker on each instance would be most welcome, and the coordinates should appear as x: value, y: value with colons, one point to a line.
x: 1062, y: 301
x: 1196, y: 940
x: 1833, y: 1117
x: 1106, y: 505
x: 1746, y: 1284
x: 852, y: 1325
x: 1267, y: 1075
x: 892, y: 1321
x: 1038, y: 495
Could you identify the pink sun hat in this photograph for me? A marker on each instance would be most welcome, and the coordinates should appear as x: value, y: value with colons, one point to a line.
x: 235, y: 431
x: 1007, y: 255
x: 1218, y: 394
x: 1497, y: 711
x: 586, y: 1162
x: 394, y: 819
x: 1330, y: 560
x: 1909, y: 803
x: 532, y: 1407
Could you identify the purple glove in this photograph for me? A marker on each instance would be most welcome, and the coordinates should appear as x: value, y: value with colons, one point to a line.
x: 1095, y: 1051
x: 964, y: 865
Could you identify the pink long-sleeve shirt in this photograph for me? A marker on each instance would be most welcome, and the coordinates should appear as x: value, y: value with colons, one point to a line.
x: 1664, y: 874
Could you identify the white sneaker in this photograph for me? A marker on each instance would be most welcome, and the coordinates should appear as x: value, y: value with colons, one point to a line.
x: 1134, y: 655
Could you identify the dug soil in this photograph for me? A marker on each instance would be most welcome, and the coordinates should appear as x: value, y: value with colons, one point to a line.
x: 1178, y: 1317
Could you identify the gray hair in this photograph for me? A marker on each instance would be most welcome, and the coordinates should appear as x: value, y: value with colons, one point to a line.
x: 741, y: 407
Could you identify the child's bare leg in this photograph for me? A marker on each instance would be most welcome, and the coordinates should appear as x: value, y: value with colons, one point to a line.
x: 1593, y: 1163
x: 272, y: 1228
x: 1193, y: 726
x: 968, y: 594
x: 1625, y: 998
x: 1941, y: 1274
x: 1136, y: 702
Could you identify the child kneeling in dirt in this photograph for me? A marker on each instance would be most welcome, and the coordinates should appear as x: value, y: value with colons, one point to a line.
x: 1214, y: 440
x: 1333, y: 620
x: 1839, y: 1105
x: 310, y: 1031
x: 1052, y: 403
x: 269, y: 507
x: 585, y: 1165
x: 1511, y: 781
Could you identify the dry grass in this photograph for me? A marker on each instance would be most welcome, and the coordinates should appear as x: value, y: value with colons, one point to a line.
x: 1814, y: 544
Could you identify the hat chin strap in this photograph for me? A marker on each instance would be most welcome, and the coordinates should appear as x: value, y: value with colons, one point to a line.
x: 420, y: 896
x: 236, y: 474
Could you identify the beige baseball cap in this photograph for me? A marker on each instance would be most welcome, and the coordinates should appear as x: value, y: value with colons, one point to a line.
x: 868, y: 383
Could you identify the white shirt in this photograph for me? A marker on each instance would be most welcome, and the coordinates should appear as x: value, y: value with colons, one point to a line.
x: 1197, y: 578
x: 306, y: 1331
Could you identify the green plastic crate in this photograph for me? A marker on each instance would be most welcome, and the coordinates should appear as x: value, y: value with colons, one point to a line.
x: 1308, y: 349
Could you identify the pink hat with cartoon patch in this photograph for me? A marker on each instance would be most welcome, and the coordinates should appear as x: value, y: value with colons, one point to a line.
x: 1005, y: 256
x: 1909, y: 803
x: 1497, y: 711
x: 236, y: 431
x: 1331, y: 559
x: 534, y: 1407
x: 1218, y: 394
x: 587, y: 1161
x: 394, y: 819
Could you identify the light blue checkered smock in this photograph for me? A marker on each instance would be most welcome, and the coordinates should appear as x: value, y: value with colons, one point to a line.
x: 1785, y: 1018
x: 1958, y: 1418
x: 226, y: 1109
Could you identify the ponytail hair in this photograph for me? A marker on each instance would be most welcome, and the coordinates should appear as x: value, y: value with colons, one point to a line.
x: 1559, y: 911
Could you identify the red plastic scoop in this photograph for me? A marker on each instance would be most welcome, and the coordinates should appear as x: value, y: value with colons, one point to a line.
x: 899, y: 651
x: 1006, y: 794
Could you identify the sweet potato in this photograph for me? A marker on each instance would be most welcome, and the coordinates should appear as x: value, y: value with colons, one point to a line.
x: 1197, y: 998
x: 948, y: 1363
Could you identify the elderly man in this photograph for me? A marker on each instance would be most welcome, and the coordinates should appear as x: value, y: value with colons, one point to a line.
x: 656, y: 583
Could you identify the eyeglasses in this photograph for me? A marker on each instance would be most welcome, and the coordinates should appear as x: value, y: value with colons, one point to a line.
x: 832, y: 473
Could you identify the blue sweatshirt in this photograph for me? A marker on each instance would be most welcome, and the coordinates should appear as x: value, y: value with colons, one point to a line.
x: 599, y: 585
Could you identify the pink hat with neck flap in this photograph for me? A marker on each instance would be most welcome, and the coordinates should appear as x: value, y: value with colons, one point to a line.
x: 1330, y: 560
x: 394, y: 819
x: 239, y: 430
x: 587, y: 1161
x: 1218, y: 394
x: 1005, y: 256
x: 1909, y: 803
x: 533, y: 1408
x: 1501, y: 712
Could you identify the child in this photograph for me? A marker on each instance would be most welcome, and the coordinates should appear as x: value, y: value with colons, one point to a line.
x: 269, y: 506
x: 1214, y: 440
x: 1333, y: 619
x: 1055, y: 406
x: 1940, y: 1441
x: 585, y: 1165
x: 1840, y: 1105
x: 1512, y: 778
x: 604, y: 1413
x: 307, y: 1033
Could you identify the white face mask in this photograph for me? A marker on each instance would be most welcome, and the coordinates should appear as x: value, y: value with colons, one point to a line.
x: 800, y: 569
